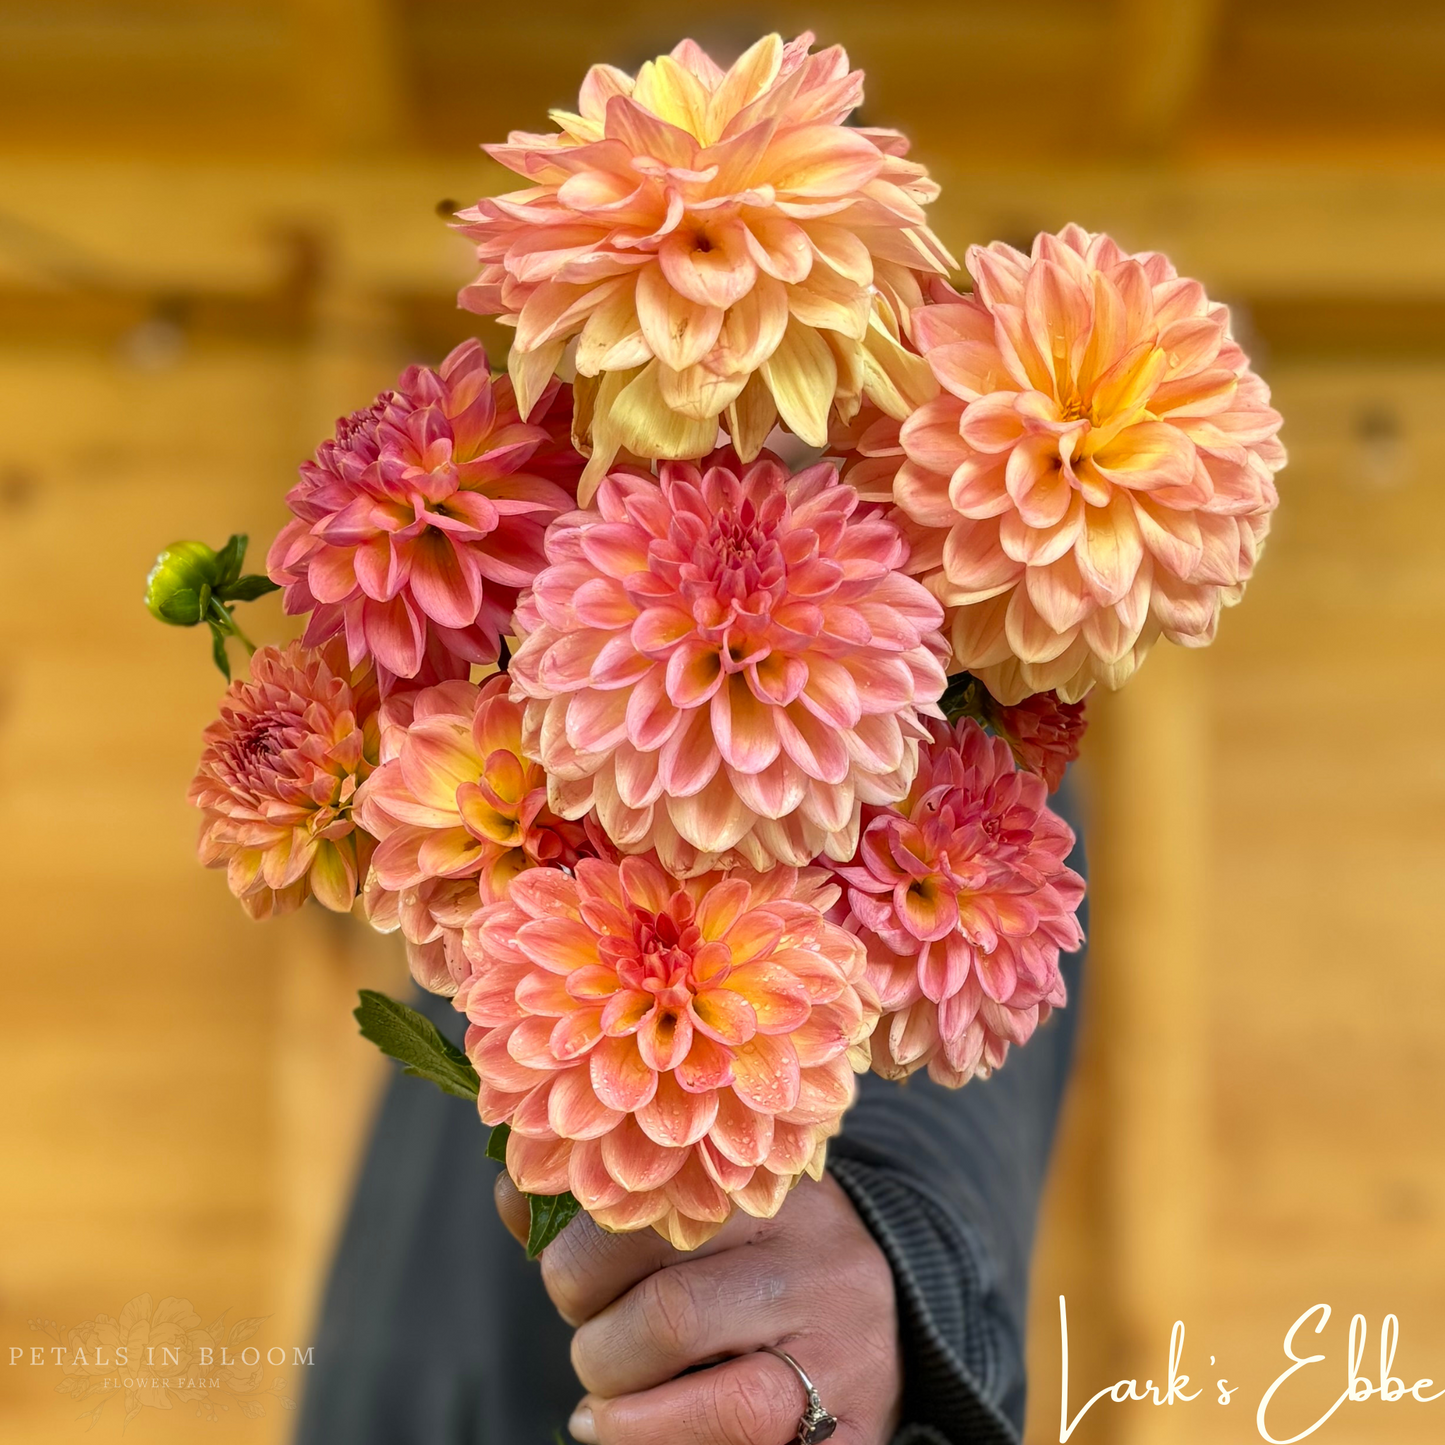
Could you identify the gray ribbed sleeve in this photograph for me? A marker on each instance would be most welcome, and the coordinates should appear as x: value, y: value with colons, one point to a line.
x: 949, y: 1183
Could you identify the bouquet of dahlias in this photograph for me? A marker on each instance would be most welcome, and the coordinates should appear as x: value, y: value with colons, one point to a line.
x: 689, y: 696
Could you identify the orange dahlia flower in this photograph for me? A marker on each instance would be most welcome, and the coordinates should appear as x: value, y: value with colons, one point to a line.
x: 666, y: 1050
x: 278, y: 779
x: 417, y: 525
x: 718, y: 245
x: 964, y: 899
x: 727, y: 664
x: 458, y: 811
x: 1097, y: 471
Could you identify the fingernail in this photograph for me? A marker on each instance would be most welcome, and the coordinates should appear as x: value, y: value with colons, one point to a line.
x: 581, y: 1426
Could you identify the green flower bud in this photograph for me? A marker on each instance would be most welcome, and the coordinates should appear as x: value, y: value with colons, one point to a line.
x: 179, y: 587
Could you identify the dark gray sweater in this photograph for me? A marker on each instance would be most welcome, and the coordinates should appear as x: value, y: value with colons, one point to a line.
x: 436, y: 1331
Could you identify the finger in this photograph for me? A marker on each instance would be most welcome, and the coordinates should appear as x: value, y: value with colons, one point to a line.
x: 684, y: 1315
x: 513, y: 1207
x: 585, y: 1268
x: 754, y: 1400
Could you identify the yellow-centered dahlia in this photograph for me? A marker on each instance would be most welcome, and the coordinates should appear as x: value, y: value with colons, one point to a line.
x: 715, y: 246
x: 458, y: 812
x: 666, y: 1050
x: 1097, y: 471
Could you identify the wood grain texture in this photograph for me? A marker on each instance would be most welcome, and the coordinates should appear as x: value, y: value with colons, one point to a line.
x: 204, y: 258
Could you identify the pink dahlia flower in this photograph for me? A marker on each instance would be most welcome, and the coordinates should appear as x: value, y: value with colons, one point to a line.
x: 278, y: 779
x: 416, y: 526
x: 963, y: 898
x: 1098, y: 470
x: 666, y: 1050
x: 727, y: 665
x: 458, y: 812
x: 718, y: 244
x: 1044, y: 733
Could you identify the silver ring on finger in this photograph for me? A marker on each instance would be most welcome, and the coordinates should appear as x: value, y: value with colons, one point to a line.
x: 816, y: 1424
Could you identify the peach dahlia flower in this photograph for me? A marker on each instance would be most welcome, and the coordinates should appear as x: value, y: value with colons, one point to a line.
x: 964, y: 900
x: 1097, y: 471
x: 718, y: 244
x: 666, y: 1050
x: 278, y: 779
x: 416, y: 526
x: 727, y: 664
x: 458, y: 811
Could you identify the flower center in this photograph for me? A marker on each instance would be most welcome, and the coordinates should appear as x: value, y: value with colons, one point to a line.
x: 660, y: 956
x: 740, y: 556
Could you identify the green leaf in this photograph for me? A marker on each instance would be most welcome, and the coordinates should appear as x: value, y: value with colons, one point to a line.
x: 551, y: 1214
x: 218, y: 651
x: 230, y: 558
x: 412, y: 1039
x: 497, y: 1143
x: 248, y: 588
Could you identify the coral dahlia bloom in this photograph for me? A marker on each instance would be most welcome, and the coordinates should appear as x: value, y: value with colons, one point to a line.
x: 666, y: 1050
x: 1044, y: 734
x: 719, y: 245
x: 1098, y: 470
x: 963, y: 898
x: 727, y: 664
x: 416, y: 526
x: 278, y: 779
x: 458, y: 811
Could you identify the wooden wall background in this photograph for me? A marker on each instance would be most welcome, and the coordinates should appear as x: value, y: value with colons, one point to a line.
x: 218, y: 230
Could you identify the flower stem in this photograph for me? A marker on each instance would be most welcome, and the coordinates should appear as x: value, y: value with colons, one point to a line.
x: 224, y: 616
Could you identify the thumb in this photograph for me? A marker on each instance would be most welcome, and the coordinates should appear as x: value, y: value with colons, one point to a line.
x: 512, y: 1206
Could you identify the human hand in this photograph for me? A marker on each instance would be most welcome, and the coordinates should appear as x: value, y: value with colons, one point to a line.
x: 811, y: 1281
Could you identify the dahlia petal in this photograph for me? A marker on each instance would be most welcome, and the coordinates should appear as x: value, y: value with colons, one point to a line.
x: 645, y: 424
x: 743, y: 727
x: 740, y: 1134
x: 722, y: 908
x: 763, y: 1195
x: 663, y: 1039
x: 675, y: 1117
x: 635, y: 1161
x: 698, y: 1200
x: 573, y: 1109
x: 727, y: 1175
x: 712, y: 819
x: 766, y: 1075
x: 538, y: 1166
x: 724, y: 1016
x: 688, y: 761
x: 575, y: 1033
x: 816, y: 748
x: 752, y: 329
x: 779, y: 1003
x: 1110, y: 549
x: 820, y: 161
x: 777, y: 791
x: 802, y: 374
x: 619, y: 1076
x: 587, y: 1177
x: 679, y: 330
x: 708, y: 1066
x: 824, y: 1094
x: 558, y: 945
